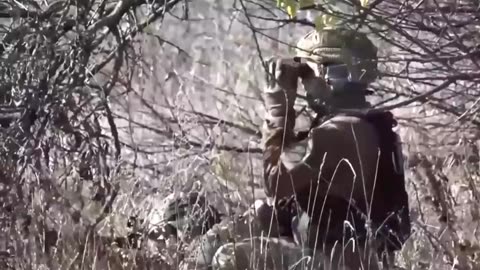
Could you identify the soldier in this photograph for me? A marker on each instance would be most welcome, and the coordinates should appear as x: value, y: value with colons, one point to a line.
x: 247, y: 235
x: 332, y: 171
x: 337, y: 168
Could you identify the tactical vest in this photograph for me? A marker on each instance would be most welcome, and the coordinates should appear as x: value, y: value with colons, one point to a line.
x: 390, y: 218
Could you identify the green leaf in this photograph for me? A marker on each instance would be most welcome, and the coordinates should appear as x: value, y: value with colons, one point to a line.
x: 324, y: 21
x: 306, y: 3
x: 364, y: 3
x: 318, y: 23
x: 292, y: 11
x: 290, y: 6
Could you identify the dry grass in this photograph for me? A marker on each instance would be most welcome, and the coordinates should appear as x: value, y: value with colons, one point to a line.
x: 187, y: 107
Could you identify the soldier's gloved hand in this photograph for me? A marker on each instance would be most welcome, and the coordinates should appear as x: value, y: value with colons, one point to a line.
x: 283, y: 73
x: 280, y: 93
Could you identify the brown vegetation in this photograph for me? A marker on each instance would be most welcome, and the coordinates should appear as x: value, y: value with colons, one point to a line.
x: 116, y: 104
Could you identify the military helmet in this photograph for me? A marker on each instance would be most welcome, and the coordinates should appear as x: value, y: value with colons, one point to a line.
x: 341, y: 46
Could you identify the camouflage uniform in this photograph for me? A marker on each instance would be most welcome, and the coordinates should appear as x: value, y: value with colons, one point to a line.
x: 292, y: 166
x: 329, y: 47
x: 250, y: 243
x: 340, y: 51
x: 340, y: 156
x: 204, y: 252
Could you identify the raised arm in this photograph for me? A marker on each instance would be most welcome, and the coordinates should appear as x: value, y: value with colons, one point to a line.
x: 278, y: 130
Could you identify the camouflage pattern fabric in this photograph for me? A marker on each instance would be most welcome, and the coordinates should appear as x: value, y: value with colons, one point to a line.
x: 343, y: 62
x: 262, y: 253
x: 337, y: 164
x: 291, y: 166
x: 276, y: 253
x: 253, y: 223
x: 330, y: 175
x: 200, y: 252
x: 338, y: 158
x: 228, y: 246
x: 190, y: 214
x: 390, y: 206
x: 341, y: 46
